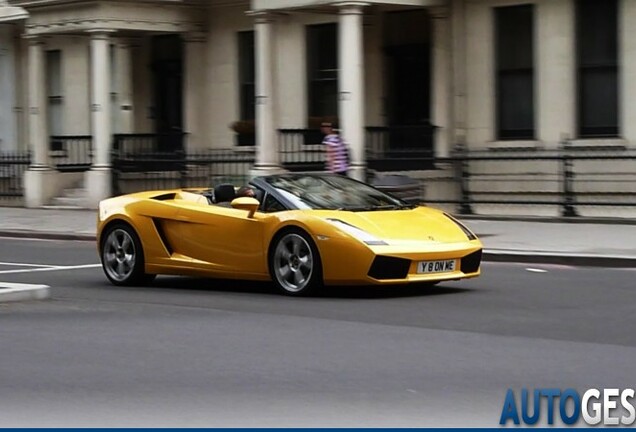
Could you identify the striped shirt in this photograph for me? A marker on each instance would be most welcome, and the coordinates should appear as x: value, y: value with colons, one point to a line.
x: 336, y: 154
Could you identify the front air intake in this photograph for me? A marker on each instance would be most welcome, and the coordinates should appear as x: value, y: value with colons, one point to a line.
x: 385, y: 267
x: 470, y: 263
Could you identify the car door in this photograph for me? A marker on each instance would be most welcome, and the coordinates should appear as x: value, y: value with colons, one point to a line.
x: 222, y: 239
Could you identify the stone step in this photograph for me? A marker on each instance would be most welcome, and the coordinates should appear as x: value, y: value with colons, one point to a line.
x: 62, y: 207
x: 74, y: 192
x: 68, y: 201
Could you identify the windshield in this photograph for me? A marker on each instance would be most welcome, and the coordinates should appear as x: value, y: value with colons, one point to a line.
x: 333, y: 192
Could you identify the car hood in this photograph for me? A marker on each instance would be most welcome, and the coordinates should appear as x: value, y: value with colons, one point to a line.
x: 421, y: 224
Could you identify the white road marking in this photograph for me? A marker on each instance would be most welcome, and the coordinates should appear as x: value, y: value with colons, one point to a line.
x: 55, y: 268
x: 25, y: 264
x: 10, y: 291
x: 20, y: 286
x: 536, y: 270
x: 41, y: 239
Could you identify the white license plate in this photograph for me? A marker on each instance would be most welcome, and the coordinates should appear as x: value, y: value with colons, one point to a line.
x: 444, y: 266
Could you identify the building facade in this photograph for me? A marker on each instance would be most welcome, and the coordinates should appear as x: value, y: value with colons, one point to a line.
x: 492, y: 75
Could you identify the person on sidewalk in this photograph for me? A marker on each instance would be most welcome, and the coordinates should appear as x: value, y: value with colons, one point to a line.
x: 337, y: 152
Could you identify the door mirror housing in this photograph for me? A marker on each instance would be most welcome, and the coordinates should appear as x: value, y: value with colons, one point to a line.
x: 246, y: 203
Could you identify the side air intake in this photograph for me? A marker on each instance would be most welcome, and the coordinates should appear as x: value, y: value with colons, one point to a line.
x: 162, y: 235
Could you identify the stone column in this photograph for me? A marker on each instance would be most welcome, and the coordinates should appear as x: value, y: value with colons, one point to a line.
x: 555, y: 73
x: 440, y: 91
x: 267, y: 155
x: 38, y: 125
x: 194, y: 90
x: 125, y: 48
x: 8, y: 85
x: 98, y: 179
x: 627, y: 71
x: 39, y: 184
x: 351, y: 84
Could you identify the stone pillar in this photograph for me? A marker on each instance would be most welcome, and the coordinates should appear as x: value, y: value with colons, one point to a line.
x: 351, y: 84
x: 555, y: 74
x: 39, y: 184
x: 98, y: 179
x: 8, y: 85
x: 627, y: 71
x: 38, y: 125
x: 124, y: 53
x: 194, y: 91
x: 267, y: 155
x: 440, y: 91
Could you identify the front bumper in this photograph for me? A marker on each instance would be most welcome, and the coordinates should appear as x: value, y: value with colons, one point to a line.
x: 397, y: 264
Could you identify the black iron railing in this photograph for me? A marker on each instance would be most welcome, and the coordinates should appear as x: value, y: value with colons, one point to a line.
x: 569, y: 178
x: 12, y: 168
x: 388, y: 148
x: 148, y: 143
x: 149, y: 171
x: 400, y: 148
x: 301, y: 149
x: 71, y: 153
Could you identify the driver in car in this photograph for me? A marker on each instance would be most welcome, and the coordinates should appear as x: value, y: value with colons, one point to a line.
x: 245, y: 191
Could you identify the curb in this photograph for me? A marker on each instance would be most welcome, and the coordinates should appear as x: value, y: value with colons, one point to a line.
x: 47, y: 235
x: 549, y: 219
x: 489, y: 255
x: 606, y: 261
x: 13, y: 292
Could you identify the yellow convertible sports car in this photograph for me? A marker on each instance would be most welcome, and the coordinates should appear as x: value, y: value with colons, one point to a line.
x: 300, y: 231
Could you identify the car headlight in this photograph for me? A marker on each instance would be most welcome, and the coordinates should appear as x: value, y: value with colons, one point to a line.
x: 469, y: 233
x: 357, y: 233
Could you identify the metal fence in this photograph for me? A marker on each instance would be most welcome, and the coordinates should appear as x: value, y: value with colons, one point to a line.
x: 564, y: 180
x: 568, y: 178
x: 159, y: 170
x: 12, y: 168
x: 388, y: 148
x: 400, y: 148
x: 301, y: 149
x: 71, y: 153
x: 148, y: 143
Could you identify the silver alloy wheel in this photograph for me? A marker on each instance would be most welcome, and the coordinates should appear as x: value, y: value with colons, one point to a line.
x: 293, y: 262
x: 119, y: 255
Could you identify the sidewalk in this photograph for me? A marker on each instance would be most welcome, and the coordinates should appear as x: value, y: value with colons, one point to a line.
x: 596, y: 244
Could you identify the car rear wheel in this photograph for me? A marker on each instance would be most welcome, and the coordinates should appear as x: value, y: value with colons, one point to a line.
x: 123, y: 257
x: 294, y: 263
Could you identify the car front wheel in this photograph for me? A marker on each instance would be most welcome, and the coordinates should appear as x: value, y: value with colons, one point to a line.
x: 294, y: 263
x: 123, y: 257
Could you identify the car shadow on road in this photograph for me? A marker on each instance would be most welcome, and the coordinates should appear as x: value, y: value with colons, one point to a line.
x: 335, y: 292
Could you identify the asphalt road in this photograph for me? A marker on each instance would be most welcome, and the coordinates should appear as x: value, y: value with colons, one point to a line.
x: 193, y: 352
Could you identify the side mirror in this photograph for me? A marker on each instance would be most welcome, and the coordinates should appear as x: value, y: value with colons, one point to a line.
x: 246, y: 203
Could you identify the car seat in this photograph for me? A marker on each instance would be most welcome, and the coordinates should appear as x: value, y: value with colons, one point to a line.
x: 224, y: 193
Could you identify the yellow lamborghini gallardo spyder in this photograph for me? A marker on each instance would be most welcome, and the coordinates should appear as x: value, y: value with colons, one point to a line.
x: 301, y: 231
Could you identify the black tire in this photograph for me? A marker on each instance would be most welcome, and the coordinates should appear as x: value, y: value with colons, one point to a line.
x: 122, y: 256
x: 294, y: 263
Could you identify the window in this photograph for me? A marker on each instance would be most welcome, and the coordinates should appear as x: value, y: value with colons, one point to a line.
x: 322, y: 70
x: 54, y: 92
x: 597, y: 66
x: 272, y: 205
x: 515, y: 72
x: 247, y: 75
